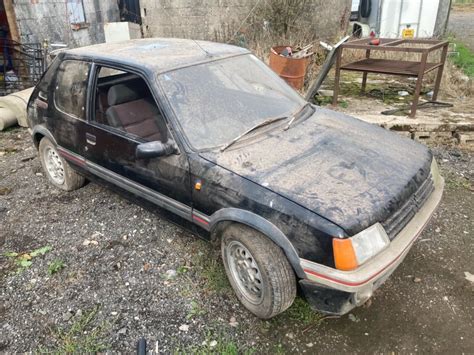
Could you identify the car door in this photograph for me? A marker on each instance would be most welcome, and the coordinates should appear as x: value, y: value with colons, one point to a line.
x: 67, y: 119
x: 111, y: 142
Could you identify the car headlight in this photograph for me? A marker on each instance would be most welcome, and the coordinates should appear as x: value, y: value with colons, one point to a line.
x: 352, y: 252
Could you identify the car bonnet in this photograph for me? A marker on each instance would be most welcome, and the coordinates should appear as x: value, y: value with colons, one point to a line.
x: 353, y: 173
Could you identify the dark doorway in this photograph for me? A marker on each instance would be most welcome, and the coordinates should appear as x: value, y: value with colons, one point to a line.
x: 21, y: 64
x: 130, y: 11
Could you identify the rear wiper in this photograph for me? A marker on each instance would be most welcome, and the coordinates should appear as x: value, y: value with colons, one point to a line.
x: 296, y: 115
x: 253, y: 128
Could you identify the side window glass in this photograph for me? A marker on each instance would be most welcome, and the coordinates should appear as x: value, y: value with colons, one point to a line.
x: 124, y: 101
x: 71, y: 87
x: 46, y: 82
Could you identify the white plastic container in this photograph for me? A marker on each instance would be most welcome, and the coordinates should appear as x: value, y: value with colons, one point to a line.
x: 400, y: 18
x: 121, y: 31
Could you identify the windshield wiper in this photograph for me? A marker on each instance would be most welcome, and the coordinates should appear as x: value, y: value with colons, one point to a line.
x: 296, y: 115
x: 253, y: 128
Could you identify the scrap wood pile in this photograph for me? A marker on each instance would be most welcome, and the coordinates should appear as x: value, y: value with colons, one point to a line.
x: 299, y: 53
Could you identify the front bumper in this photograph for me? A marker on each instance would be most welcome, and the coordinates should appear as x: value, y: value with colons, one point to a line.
x: 334, y: 291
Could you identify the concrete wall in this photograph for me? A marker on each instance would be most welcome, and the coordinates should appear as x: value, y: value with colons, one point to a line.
x: 219, y: 20
x: 47, y: 19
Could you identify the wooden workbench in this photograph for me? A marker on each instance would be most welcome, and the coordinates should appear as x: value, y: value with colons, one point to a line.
x: 395, y: 67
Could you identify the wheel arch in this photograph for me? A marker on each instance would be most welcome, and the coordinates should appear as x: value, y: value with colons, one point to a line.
x: 220, y: 220
x: 39, y: 132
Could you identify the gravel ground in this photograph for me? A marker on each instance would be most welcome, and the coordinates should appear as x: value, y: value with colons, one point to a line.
x: 460, y: 24
x: 113, y: 272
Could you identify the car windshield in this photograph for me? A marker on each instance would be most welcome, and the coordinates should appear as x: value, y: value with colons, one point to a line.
x: 216, y: 102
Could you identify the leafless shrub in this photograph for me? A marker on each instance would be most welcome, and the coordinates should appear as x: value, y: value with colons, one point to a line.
x: 295, y: 23
x: 299, y: 22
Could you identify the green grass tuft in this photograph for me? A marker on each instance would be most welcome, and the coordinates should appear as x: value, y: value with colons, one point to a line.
x: 195, y: 311
x: 25, y: 260
x: 465, y: 59
x: 211, y: 269
x: 300, y: 312
x: 81, y: 337
x: 214, y: 344
x: 55, y: 266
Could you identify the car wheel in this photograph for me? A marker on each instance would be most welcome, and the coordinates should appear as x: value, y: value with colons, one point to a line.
x: 258, y: 271
x: 59, y: 172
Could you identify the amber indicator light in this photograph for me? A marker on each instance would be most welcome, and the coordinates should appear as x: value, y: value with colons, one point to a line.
x: 198, y: 185
x: 344, y: 255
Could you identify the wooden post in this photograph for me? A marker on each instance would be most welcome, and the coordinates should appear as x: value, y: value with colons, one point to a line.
x: 15, y: 36
x: 338, y: 74
x: 364, y: 76
x: 440, y: 72
x: 419, y: 82
x: 11, y: 18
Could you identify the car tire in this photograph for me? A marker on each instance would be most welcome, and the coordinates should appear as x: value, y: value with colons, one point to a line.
x: 58, y: 171
x: 258, y: 271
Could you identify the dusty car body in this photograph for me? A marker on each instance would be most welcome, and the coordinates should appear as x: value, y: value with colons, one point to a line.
x: 338, y: 202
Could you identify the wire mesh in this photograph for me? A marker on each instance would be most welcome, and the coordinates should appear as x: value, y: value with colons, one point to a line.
x: 21, y: 66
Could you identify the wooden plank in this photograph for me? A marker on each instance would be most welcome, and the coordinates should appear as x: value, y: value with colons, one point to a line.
x: 11, y: 19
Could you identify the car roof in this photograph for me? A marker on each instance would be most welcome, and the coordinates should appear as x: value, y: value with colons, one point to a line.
x: 159, y: 54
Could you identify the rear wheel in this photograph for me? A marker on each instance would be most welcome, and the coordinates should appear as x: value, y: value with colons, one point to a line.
x: 258, y: 271
x: 58, y: 171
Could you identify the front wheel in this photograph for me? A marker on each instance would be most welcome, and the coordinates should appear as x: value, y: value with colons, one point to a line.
x: 258, y: 271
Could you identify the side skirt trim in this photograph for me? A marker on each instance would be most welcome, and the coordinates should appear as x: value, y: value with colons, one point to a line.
x: 144, y: 192
x: 72, y: 157
x: 160, y: 200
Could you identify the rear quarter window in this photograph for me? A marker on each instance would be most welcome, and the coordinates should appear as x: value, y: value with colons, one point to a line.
x: 71, y: 87
x: 45, y: 84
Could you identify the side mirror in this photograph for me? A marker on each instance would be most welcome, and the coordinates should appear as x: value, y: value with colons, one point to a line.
x: 155, y: 149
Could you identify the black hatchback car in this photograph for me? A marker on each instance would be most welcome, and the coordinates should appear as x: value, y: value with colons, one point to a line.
x: 297, y: 195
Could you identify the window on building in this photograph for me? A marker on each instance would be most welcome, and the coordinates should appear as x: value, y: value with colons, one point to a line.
x: 75, y: 11
x: 130, y: 11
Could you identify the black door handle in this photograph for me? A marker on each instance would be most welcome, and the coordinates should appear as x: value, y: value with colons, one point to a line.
x: 90, y: 139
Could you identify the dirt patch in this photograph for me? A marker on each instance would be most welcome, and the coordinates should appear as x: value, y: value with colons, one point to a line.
x: 128, y: 273
x: 461, y: 19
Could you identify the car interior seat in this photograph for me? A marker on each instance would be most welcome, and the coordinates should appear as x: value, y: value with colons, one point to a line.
x: 130, y: 111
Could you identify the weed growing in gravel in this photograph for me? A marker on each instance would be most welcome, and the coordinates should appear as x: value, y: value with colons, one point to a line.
x: 279, y: 349
x: 211, y: 269
x: 7, y: 150
x: 55, y: 266
x: 343, y: 104
x: 456, y: 181
x: 213, y: 272
x: 195, y: 311
x: 323, y: 100
x: 5, y: 191
x: 81, y: 337
x: 215, y: 345
x: 25, y: 260
x: 300, y: 312
x: 181, y: 270
x: 464, y: 59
